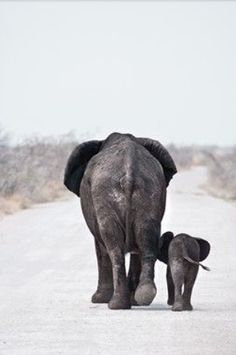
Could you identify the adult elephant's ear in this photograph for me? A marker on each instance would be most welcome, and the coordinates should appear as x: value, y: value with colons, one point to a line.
x: 205, y: 248
x: 77, y: 163
x: 165, y: 240
x: 162, y: 155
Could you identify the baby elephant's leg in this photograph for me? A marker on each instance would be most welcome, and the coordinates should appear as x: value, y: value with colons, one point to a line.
x: 177, y: 272
x: 170, y: 287
x: 190, y: 278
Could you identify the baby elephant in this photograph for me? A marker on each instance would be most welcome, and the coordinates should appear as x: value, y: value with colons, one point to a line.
x: 182, y: 255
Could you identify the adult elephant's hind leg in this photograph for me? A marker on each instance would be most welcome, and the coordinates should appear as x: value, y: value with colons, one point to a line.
x: 134, y: 275
x: 146, y: 290
x: 147, y: 240
x: 105, y: 280
x: 104, y: 290
x: 112, y: 237
x: 121, y: 297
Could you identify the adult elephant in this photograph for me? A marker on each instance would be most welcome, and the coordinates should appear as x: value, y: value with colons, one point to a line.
x: 122, y: 185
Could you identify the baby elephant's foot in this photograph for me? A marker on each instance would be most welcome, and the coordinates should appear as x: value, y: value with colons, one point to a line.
x: 120, y: 302
x: 188, y: 307
x: 102, y: 295
x: 177, y: 307
x: 145, y: 293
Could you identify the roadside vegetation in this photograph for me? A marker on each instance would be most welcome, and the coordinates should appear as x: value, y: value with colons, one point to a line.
x: 220, y: 163
x: 222, y: 173
x: 32, y: 171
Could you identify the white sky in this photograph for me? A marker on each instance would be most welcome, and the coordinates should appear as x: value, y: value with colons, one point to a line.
x: 166, y: 70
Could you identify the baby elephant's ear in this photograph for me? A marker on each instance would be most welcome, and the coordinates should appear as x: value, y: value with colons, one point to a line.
x: 204, y: 248
x: 165, y: 240
x: 167, y: 237
x: 77, y: 164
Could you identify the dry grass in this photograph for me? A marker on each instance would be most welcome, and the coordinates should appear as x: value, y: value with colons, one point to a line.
x: 220, y: 163
x: 32, y: 172
x: 222, y: 173
x: 184, y: 156
x: 12, y: 204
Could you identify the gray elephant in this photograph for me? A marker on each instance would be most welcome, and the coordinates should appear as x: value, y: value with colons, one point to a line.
x: 121, y: 182
x: 182, y: 255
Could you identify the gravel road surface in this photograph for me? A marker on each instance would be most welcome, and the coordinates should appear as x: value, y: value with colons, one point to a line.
x: 48, y: 273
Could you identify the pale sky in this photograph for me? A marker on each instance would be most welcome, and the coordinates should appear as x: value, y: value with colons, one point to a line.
x: 165, y: 70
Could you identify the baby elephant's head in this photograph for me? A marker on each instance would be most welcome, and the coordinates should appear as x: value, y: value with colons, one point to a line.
x: 166, y: 239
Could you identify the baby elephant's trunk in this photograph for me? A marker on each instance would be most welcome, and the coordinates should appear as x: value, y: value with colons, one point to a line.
x: 195, y: 262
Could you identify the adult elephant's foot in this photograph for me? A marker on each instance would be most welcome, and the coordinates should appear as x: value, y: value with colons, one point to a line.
x: 102, y: 296
x: 145, y: 293
x: 119, y: 302
x: 177, y: 307
x: 187, y: 307
x: 170, y: 301
x: 132, y: 299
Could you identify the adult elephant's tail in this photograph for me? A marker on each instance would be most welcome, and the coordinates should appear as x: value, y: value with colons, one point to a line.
x: 127, y: 184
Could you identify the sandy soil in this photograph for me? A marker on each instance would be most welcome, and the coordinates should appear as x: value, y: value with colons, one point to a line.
x: 48, y: 274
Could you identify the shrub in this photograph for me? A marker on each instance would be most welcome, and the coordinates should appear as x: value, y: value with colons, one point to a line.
x: 33, y: 171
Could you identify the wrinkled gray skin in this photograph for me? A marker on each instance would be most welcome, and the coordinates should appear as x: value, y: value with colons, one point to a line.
x: 122, y: 185
x: 182, y: 255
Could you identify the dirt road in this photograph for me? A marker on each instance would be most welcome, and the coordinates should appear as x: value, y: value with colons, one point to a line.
x: 48, y: 274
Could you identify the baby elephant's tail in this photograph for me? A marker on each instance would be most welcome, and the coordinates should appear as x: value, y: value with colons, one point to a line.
x: 197, y: 263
